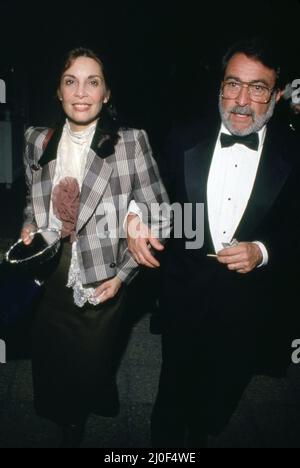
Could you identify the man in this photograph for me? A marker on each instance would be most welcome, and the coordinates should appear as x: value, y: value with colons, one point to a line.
x: 225, y: 308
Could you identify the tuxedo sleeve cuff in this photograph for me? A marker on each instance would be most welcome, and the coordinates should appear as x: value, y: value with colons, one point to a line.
x: 264, y: 254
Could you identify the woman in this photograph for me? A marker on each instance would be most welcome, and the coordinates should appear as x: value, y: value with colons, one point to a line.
x: 81, y: 179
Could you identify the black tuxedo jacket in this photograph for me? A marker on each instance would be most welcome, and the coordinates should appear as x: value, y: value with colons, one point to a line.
x: 258, y: 313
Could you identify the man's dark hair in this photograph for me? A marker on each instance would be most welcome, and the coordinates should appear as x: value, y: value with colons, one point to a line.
x: 259, y: 49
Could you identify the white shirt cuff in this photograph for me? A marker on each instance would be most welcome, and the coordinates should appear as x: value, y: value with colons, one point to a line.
x: 133, y: 209
x: 264, y: 254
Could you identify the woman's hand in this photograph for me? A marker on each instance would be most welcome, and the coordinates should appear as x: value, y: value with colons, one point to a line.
x: 27, y: 234
x: 108, y: 290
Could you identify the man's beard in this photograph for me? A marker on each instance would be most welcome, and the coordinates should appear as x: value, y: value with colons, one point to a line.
x: 258, y: 121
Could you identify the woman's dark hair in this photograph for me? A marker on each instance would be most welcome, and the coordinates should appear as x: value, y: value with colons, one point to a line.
x: 108, y: 127
x: 260, y: 49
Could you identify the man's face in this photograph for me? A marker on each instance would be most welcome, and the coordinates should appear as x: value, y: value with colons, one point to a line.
x: 240, y: 114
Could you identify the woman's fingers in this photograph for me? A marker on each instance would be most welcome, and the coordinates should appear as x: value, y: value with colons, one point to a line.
x: 27, y: 236
x: 107, y: 290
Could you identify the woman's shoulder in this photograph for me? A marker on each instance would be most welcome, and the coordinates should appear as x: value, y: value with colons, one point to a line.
x: 34, y: 134
x: 135, y: 139
x: 132, y: 134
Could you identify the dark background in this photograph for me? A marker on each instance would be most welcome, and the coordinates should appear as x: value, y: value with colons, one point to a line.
x: 163, y: 56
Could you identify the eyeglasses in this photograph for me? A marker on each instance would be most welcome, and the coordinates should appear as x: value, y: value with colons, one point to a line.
x: 257, y: 93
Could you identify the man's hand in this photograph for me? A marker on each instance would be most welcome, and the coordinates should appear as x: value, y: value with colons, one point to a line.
x: 140, y: 240
x: 243, y: 259
x: 27, y: 234
x: 108, y: 290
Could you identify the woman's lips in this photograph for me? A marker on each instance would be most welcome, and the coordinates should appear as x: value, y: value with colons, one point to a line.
x: 81, y: 107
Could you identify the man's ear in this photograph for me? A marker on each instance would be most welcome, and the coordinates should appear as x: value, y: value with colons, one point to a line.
x: 279, y: 95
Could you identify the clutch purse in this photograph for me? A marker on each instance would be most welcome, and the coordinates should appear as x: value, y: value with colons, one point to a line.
x: 34, y: 259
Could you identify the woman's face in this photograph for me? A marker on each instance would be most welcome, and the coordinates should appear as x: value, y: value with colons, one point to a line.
x: 82, y: 92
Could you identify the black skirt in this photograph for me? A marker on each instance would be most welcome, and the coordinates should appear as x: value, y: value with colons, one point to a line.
x: 76, y: 352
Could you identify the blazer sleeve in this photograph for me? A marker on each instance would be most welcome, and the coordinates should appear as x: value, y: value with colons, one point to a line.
x: 149, y: 191
x: 29, y: 218
x: 150, y: 195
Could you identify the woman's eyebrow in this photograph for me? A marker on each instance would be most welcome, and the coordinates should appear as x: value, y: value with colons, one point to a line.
x: 89, y: 77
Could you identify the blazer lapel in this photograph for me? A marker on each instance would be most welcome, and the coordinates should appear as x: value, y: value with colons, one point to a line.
x: 97, y: 175
x: 272, y: 174
x: 50, y: 152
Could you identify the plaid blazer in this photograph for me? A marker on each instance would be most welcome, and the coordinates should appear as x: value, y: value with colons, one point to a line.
x: 109, y: 185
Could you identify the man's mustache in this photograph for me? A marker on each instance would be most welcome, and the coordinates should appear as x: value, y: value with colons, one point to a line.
x: 242, y: 111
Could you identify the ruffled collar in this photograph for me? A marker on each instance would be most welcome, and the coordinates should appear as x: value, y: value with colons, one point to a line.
x: 80, y: 138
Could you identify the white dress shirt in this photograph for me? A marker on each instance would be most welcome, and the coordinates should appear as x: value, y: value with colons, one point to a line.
x: 231, y: 180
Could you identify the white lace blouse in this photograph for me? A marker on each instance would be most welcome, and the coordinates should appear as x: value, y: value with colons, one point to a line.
x: 71, y: 162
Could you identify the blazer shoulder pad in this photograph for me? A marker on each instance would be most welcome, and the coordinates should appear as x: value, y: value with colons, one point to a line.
x: 32, y: 134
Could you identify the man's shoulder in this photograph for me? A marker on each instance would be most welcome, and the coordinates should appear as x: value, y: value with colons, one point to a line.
x: 286, y: 139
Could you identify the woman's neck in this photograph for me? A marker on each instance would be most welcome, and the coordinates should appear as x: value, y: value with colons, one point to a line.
x: 76, y: 128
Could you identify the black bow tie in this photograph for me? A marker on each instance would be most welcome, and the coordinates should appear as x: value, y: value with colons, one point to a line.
x: 251, y: 141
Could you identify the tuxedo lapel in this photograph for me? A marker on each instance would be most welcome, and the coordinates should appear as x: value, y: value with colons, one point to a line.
x: 272, y: 174
x: 197, y: 166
